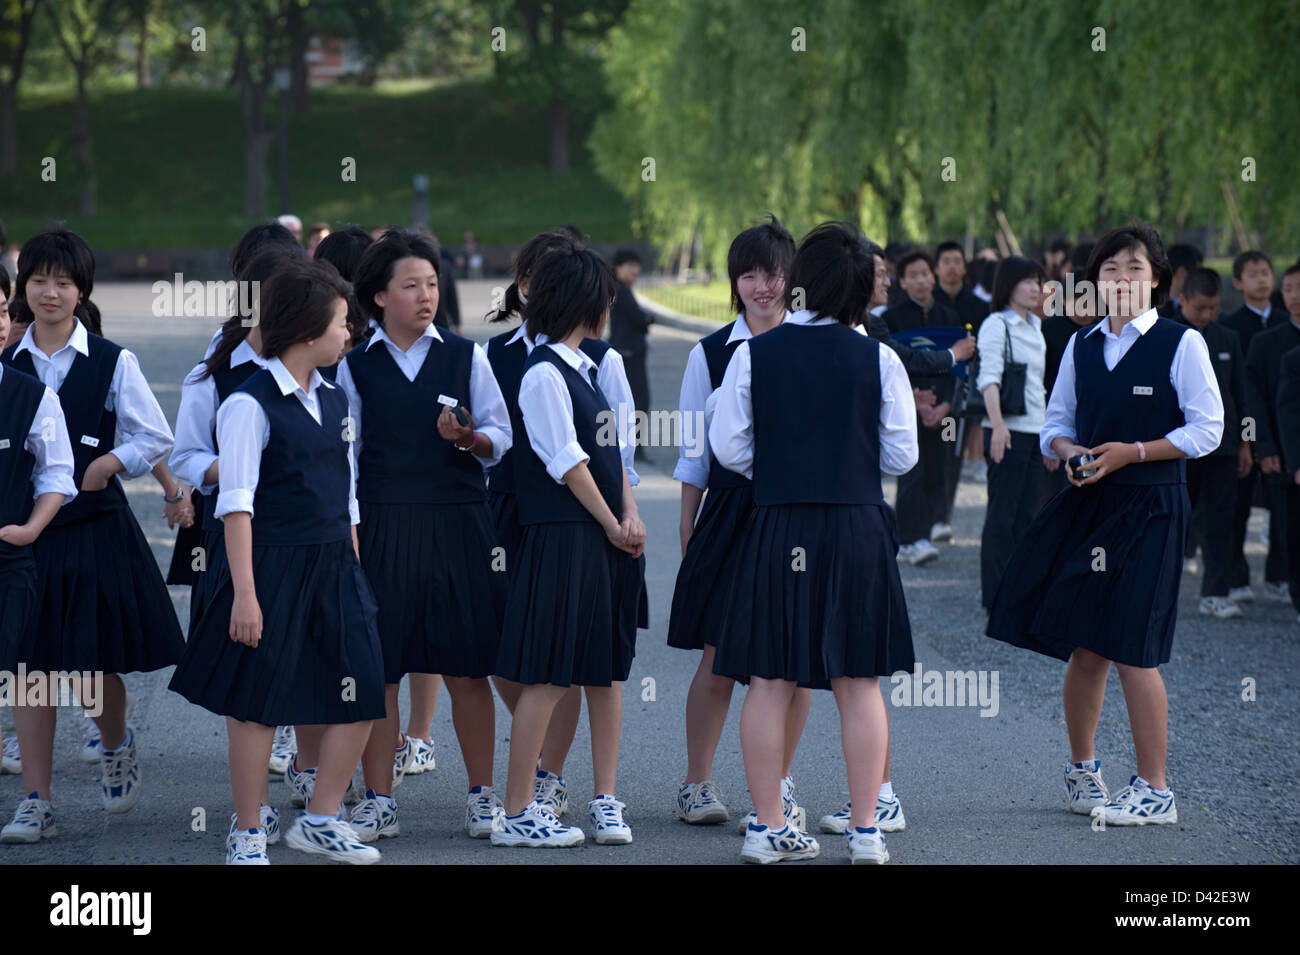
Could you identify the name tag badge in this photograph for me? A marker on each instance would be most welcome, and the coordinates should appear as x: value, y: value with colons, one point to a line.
x: 90, y: 440
x: 449, y: 402
x: 1225, y: 356
x: 4, y: 444
x: 1143, y: 390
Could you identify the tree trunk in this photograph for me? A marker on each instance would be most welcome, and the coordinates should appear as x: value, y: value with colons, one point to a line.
x: 85, y: 155
x: 8, y: 129
x: 257, y: 146
x: 296, y: 26
x: 559, y: 140
x: 142, y: 53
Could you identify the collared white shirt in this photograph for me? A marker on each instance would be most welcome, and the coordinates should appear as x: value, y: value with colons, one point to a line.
x: 47, y: 441
x: 141, y: 426
x: 1027, y: 347
x: 1191, y: 374
x: 213, y: 343
x: 611, y: 375
x: 243, y: 432
x: 731, y: 433
x: 491, y: 417
x: 196, y: 421
x: 547, y: 410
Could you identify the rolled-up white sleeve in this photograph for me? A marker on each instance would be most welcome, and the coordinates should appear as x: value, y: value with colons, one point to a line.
x: 692, y: 456
x: 488, y: 405
x: 547, y: 410
x: 48, y: 442
x: 242, y: 433
x: 899, y: 449
x: 992, y: 342
x: 1193, y: 379
x: 195, y: 449
x: 146, y: 436
x: 731, y: 432
x: 611, y: 375
x: 1061, y: 407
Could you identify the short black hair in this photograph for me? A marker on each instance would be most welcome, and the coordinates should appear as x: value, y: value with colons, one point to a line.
x: 1184, y: 255
x: 570, y: 288
x: 375, y: 270
x: 623, y: 256
x: 768, y: 246
x: 4, y: 282
x: 836, y: 269
x: 298, y: 304
x: 1202, y: 283
x: 1138, y: 235
x: 1080, y: 254
x: 1011, y: 271
x: 950, y: 246
x: 1251, y: 255
x: 910, y: 256
x: 60, y: 252
x: 343, y: 249
x: 1293, y: 270
x: 571, y: 230
x: 526, y: 259
x: 894, y: 249
x: 1060, y: 245
x: 260, y: 235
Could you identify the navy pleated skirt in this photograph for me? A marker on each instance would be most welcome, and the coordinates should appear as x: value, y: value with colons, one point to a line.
x: 441, y: 589
x: 815, y: 595
x: 214, y: 555
x: 504, y: 510
x: 17, y: 600
x: 319, y: 659
x: 101, y: 603
x: 571, y: 615
x: 181, y: 572
x: 1098, y: 568
x: 703, y: 579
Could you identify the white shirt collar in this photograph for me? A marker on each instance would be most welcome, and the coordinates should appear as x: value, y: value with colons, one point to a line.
x: 244, y: 353
x: 805, y: 317
x: 1142, y: 323
x: 1264, y: 314
x: 579, y: 361
x: 289, y: 384
x: 380, y: 335
x: 521, y: 334
x: 77, y: 341
x: 741, y: 331
x: 1031, y: 319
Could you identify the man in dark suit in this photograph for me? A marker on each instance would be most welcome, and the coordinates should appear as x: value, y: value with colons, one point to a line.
x: 1183, y: 257
x: 1288, y: 426
x: 629, y: 328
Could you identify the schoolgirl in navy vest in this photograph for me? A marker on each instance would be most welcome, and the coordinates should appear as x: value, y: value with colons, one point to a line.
x: 1095, y: 578
x: 815, y: 598
x: 101, y: 604
x: 571, y: 615
x: 426, y: 535
x: 36, y: 470
x: 287, y: 634
x: 508, y: 353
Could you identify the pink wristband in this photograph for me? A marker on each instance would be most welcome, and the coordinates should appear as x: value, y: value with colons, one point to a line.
x: 1142, y: 452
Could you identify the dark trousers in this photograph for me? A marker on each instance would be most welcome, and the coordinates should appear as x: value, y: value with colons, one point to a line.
x: 1292, y: 499
x: 639, y: 381
x: 923, y: 491
x: 1013, y: 502
x: 1278, y: 491
x: 1240, y: 573
x: 1212, y: 488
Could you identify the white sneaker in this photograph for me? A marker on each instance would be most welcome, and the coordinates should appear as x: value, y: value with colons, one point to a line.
x: 120, y: 785
x: 1220, y: 607
x: 269, y: 818
x: 765, y: 846
x: 332, y: 838
x: 403, y: 757
x: 867, y: 847
x: 246, y: 847
x: 889, y: 817
x: 1084, y: 788
x: 940, y: 533
x: 482, y: 806
x: 700, y: 804
x: 375, y: 817
x: 1191, y: 567
x: 1277, y: 593
x: 33, y: 821
x: 91, y: 749
x: 550, y: 791
x: 301, y: 783
x: 535, y: 827
x: 918, y: 553
x: 607, y: 820
x: 795, y: 814
x: 1241, y: 594
x: 283, y: 748
x: 11, y: 760
x: 356, y: 791
x: 424, y: 761
x: 1137, y: 804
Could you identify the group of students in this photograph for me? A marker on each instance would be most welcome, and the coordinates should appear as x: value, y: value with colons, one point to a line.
x: 509, y: 546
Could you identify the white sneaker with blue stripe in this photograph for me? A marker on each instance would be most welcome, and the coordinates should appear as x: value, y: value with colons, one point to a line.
x: 482, y: 806
x: 120, y: 785
x: 332, y: 838
x: 11, y: 759
x: 283, y: 749
x: 33, y: 821
x: 403, y: 759
x: 1084, y: 788
x: 90, y: 750
x: 1137, y: 804
x: 535, y: 827
x: 301, y: 783
x: 889, y: 816
x: 795, y: 814
x: 269, y: 817
x: 375, y: 817
x: 867, y: 846
x: 246, y: 847
x: 701, y: 804
x: 765, y: 846
x: 607, y: 820
x: 424, y: 761
x: 551, y: 792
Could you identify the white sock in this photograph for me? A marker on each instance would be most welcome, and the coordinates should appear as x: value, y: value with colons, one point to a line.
x: 886, y: 790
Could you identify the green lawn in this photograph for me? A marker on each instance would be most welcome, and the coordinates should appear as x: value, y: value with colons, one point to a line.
x: 170, y: 166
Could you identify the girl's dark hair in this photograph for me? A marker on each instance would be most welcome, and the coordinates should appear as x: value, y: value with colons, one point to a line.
x: 4, y: 282
x: 1142, y: 236
x: 1011, y: 272
x: 298, y: 304
x: 570, y: 288
x: 257, y: 238
x: 343, y: 249
x: 526, y: 259
x: 260, y: 268
x: 60, y: 252
x: 835, y: 268
x: 358, y: 322
x: 767, y: 246
x: 375, y: 270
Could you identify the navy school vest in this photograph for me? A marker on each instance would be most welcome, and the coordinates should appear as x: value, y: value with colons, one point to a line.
x: 542, y: 500
x: 92, y: 429
x: 403, y: 458
x: 302, y: 488
x: 20, y: 398
x: 1134, y: 401
x: 508, y: 365
x: 717, y: 355
x: 816, y: 400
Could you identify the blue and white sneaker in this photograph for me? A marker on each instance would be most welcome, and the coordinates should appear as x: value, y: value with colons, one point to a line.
x: 607, y: 820
x: 535, y: 827
x: 795, y: 814
x: 301, y: 782
x: 1137, y: 804
x: 120, y: 786
x: 91, y: 749
x: 246, y: 847
x: 550, y: 791
x: 32, y: 822
x: 1084, y: 788
x: 283, y: 749
x: 701, y: 804
x: 889, y: 817
x: 867, y: 846
x: 764, y: 845
x: 375, y: 817
x: 11, y: 759
x: 423, y: 761
x: 332, y: 838
x: 403, y: 760
x: 482, y: 806
x: 269, y: 817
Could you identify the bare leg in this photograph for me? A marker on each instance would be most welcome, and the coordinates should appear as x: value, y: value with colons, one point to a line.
x: 1084, y: 692
x: 377, y: 758
x: 532, y: 714
x: 559, y: 735
x: 473, y: 712
x: 1148, y: 715
x: 762, y: 741
x: 424, y: 701
x: 340, y: 749
x: 865, y: 737
x: 707, y: 702
x: 605, y: 713
x: 112, y: 719
x: 35, y: 728
x: 795, y: 719
x: 508, y: 690
x: 250, y: 750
